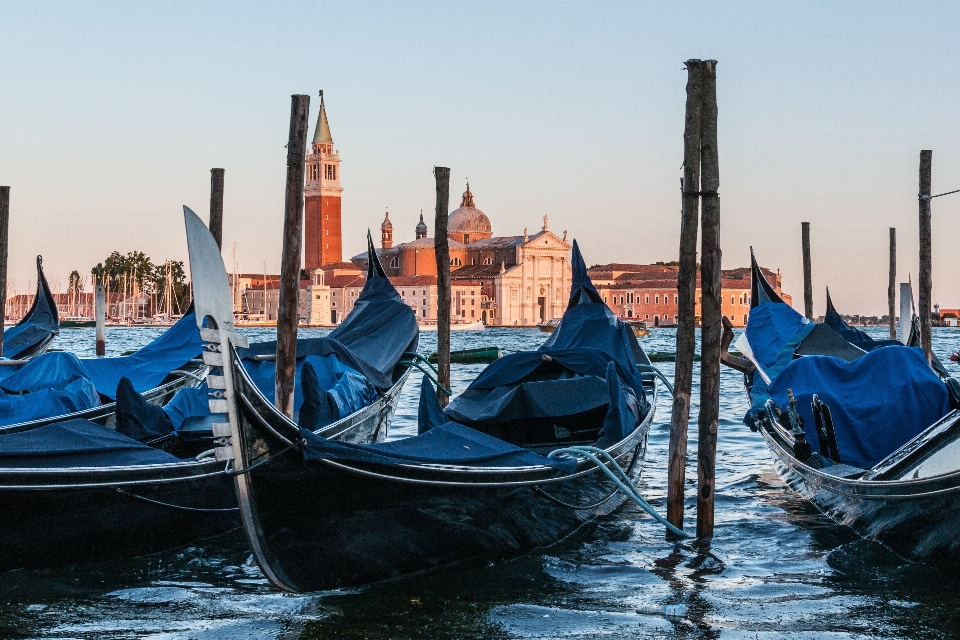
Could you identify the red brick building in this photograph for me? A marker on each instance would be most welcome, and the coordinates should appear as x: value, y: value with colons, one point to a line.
x: 323, y: 234
x: 648, y: 292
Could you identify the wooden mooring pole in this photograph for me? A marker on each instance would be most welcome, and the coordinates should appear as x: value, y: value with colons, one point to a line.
x: 216, y: 206
x: 926, y: 285
x: 711, y: 327
x: 807, y: 272
x: 892, y: 285
x: 100, y: 313
x: 4, y: 239
x: 287, y: 313
x: 686, y: 296
x: 442, y: 251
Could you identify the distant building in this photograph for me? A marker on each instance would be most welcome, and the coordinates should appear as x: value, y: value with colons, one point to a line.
x: 648, y: 292
x: 523, y: 280
x: 322, y: 230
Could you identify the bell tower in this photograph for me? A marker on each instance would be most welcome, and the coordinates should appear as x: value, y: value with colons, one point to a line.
x: 323, y: 243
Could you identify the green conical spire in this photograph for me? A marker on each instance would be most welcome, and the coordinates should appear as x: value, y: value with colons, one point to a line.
x: 322, y: 135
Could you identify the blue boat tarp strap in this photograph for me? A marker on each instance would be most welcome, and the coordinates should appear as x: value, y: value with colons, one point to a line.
x: 76, y: 443
x: 878, y: 402
x: 148, y: 367
x: 449, y: 443
x: 430, y: 413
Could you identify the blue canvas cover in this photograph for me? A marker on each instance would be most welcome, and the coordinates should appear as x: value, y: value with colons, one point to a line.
x: 572, y: 372
x: 76, y: 443
x: 774, y: 330
x: 50, y: 385
x: 148, y: 367
x: 878, y: 402
x: 22, y: 339
x: 429, y: 413
x: 449, y: 443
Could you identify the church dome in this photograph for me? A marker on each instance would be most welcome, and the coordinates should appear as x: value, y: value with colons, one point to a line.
x: 468, y: 219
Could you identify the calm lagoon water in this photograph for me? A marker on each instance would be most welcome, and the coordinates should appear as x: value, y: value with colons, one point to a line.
x: 776, y: 568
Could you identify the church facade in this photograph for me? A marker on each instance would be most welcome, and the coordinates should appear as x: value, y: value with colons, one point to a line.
x: 524, y: 280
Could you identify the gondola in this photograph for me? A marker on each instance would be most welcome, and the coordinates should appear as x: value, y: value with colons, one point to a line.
x: 37, y: 329
x: 76, y: 491
x: 870, y: 436
x: 477, y: 484
x: 58, y: 386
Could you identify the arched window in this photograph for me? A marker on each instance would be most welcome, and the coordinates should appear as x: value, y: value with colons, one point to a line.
x: 488, y: 261
x: 456, y: 262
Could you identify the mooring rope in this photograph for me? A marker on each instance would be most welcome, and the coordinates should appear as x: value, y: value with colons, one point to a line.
x: 176, y: 506
x: 617, y: 475
x: 923, y: 197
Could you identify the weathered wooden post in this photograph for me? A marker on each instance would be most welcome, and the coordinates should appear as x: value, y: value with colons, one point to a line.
x: 926, y: 284
x: 216, y: 206
x: 686, y: 295
x: 442, y: 251
x: 4, y: 239
x: 807, y: 274
x: 892, y: 285
x: 287, y: 311
x: 711, y: 328
x: 100, y: 313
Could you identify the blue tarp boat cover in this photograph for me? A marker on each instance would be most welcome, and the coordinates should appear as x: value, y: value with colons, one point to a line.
x: 336, y: 375
x: 580, y: 367
x: 449, y: 443
x: 52, y: 384
x: 76, y: 443
x: 878, y: 402
x: 42, y: 320
x: 148, y: 367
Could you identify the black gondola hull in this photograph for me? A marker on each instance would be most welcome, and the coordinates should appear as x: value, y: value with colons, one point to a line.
x: 323, y: 525
x: 357, y: 529
x: 55, y: 518
x: 918, y: 519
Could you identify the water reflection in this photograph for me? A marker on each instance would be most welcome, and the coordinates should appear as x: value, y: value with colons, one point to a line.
x: 776, y: 568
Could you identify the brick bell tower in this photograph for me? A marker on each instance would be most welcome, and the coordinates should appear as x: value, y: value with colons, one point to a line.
x: 323, y: 242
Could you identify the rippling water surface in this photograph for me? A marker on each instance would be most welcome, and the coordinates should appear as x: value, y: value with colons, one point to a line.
x: 776, y: 568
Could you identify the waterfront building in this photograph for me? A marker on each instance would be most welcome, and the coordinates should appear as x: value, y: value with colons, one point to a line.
x: 648, y: 292
x: 523, y: 280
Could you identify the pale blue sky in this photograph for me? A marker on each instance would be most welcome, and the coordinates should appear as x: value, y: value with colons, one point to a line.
x: 112, y: 114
